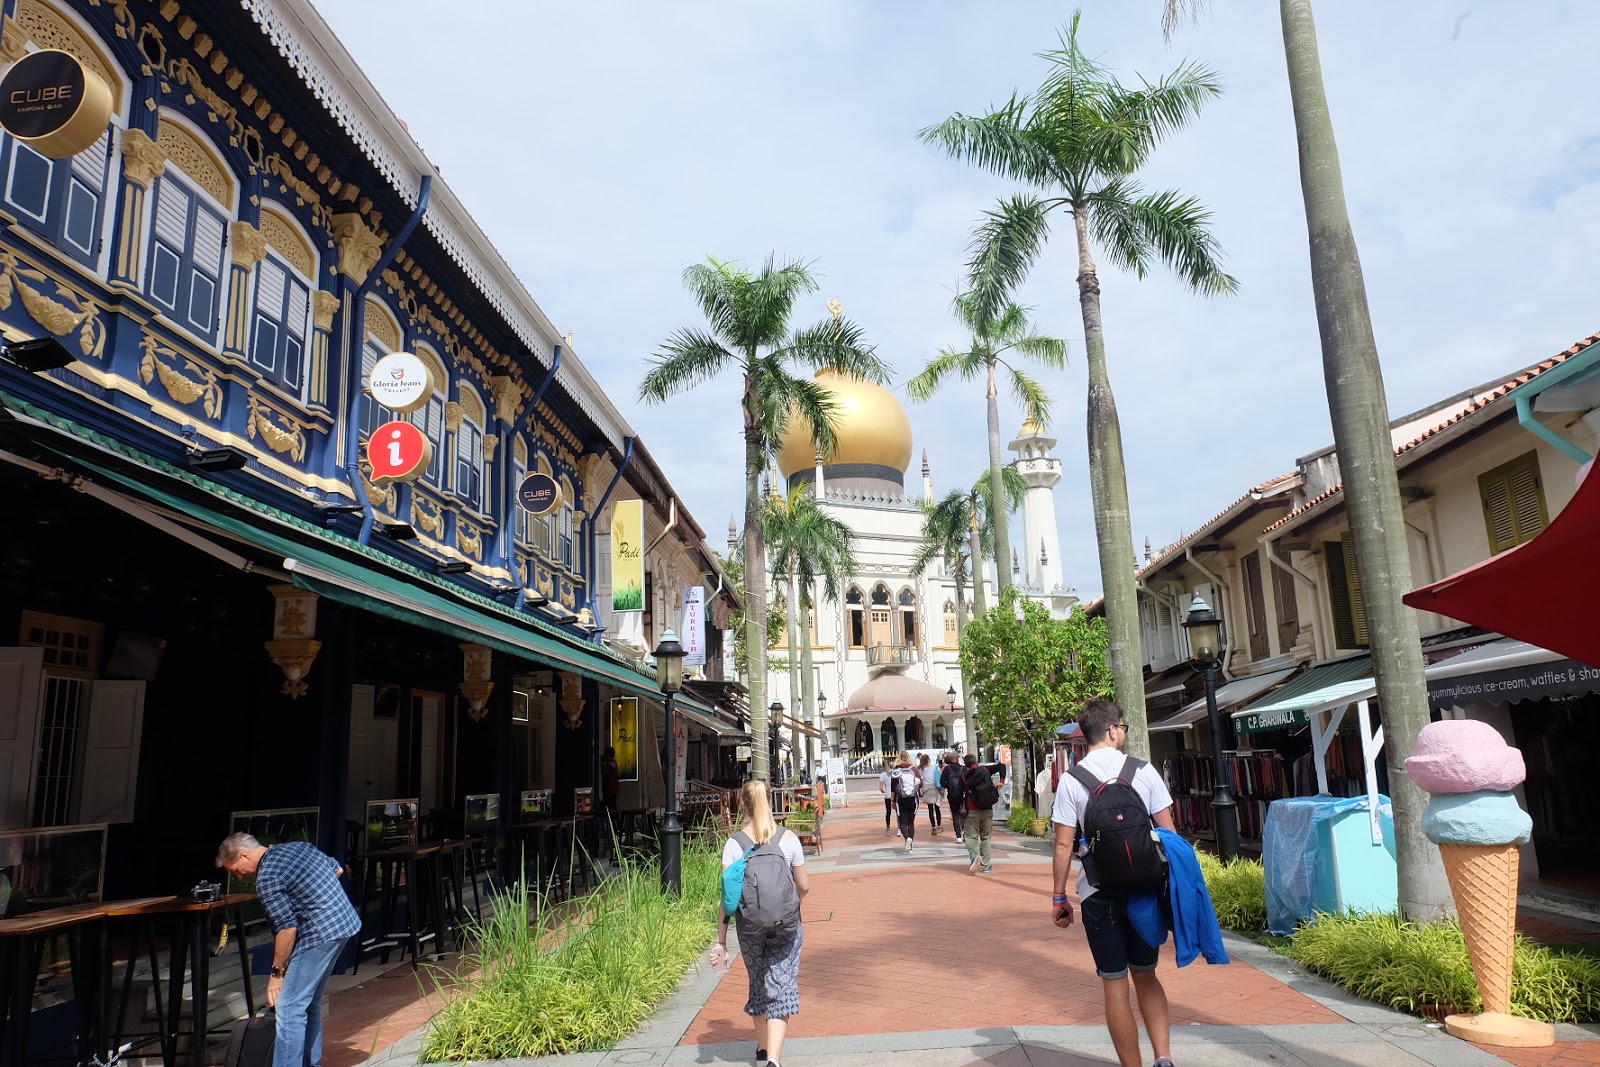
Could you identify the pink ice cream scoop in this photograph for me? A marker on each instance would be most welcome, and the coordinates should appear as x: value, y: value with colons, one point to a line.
x: 1464, y: 756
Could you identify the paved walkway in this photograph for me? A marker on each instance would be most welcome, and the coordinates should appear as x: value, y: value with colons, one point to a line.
x: 911, y: 960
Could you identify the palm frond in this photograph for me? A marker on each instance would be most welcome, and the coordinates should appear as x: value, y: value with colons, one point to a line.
x: 688, y: 358
x: 1050, y: 352
x: 712, y: 284
x: 964, y: 365
x: 1003, y: 250
x: 997, y: 142
x: 840, y: 346
x: 1170, y: 226
x: 1032, y: 396
x: 768, y: 300
x: 1173, y: 13
x: 789, y: 403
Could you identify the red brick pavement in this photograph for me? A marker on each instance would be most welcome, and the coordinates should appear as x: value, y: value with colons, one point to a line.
x: 923, y: 945
x: 1566, y: 1054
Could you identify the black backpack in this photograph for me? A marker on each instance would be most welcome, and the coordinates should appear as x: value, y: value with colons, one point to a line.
x: 979, y: 788
x: 1122, y: 851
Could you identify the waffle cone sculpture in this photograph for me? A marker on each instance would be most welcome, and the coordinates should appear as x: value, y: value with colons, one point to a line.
x: 1469, y: 772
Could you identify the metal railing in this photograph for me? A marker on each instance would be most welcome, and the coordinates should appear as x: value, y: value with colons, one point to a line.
x: 891, y: 655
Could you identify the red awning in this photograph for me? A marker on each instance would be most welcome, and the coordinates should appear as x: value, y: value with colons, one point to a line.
x: 1543, y: 592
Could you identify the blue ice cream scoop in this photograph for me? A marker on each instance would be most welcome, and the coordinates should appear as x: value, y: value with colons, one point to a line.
x: 1487, y: 817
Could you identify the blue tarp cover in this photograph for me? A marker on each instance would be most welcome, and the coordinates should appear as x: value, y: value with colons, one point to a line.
x: 1289, y: 853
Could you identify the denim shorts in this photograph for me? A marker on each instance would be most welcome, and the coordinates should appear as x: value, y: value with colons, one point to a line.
x: 1116, y: 947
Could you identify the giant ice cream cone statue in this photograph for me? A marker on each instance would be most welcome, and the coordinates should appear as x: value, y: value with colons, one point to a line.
x: 1469, y: 771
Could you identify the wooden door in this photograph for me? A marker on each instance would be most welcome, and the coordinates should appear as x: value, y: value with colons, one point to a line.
x: 882, y: 633
x: 373, y: 752
x: 110, y: 780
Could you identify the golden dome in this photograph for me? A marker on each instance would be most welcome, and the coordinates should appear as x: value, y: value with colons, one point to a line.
x: 871, y: 426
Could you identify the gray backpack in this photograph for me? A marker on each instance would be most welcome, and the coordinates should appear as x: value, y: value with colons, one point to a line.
x: 769, y: 905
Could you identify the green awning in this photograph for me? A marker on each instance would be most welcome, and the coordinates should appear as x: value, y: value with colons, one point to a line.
x: 378, y: 583
x: 1284, y: 708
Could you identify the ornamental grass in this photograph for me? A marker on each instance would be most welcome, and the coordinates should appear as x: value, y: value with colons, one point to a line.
x: 580, y: 978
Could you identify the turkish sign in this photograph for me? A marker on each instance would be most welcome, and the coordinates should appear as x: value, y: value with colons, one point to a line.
x: 625, y: 736
x: 54, y: 104
x: 400, y: 382
x: 398, y: 452
x: 692, y: 633
x: 627, y: 555
x: 1536, y: 681
x: 539, y: 494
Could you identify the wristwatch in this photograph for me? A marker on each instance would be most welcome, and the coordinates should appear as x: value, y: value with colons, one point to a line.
x: 279, y: 972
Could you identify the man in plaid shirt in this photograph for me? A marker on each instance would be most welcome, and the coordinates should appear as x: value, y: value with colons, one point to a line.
x: 311, y: 918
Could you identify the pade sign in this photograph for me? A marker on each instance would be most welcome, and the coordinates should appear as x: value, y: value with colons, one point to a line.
x: 54, y: 104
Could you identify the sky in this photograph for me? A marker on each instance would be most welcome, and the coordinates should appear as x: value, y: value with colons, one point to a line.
x: 604, y: 146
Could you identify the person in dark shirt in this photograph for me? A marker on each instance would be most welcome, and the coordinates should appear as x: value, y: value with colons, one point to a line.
x: 979, y: 828
x: 311, y: 917
x: 955, y: 796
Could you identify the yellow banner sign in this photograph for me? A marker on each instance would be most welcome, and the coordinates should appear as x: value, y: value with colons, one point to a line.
x: 625, y: 737
x: 627, y: 555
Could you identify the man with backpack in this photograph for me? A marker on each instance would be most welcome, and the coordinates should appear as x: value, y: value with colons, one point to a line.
x: 950, y: 782
x: 1117, y: 801
x: 978, y: 789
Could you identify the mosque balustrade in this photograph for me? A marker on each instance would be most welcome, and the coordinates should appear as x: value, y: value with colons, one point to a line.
x: 891, y: 655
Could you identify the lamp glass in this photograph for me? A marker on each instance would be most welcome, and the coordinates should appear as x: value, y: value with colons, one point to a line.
x: 1204, y: 630
x: 669, y: 663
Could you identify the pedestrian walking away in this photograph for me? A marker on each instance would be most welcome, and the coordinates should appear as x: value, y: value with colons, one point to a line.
x: 978, y: 789
x: 769, y: 943
x: 1118, y: 950
x: 311, y: 917
x: 888, y: 799
x: 932, y: 792
x: 950, y: 780
x: 907, y: 789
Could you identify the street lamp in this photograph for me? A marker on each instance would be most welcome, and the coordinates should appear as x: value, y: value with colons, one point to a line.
x: 775, y: 717
x: 822, y: 702
x: 1205, y: 653
x: 669, y: 672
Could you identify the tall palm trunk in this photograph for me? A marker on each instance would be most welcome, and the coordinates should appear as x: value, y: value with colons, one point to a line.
x: 755, y: 588
x: 1113, y: 528
x: 978, y: 598
x: 794, y: 672
x: 808, y: 683
x: 1360, y: 416
x: 997, y: 493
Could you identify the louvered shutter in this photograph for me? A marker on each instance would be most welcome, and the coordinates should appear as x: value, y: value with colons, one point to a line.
x: 1358, y: 604
x: 172, y: 213
x: 209, y: 238
x: 90, y: 164
x: 1256, y: 605
x: 1514, y: 510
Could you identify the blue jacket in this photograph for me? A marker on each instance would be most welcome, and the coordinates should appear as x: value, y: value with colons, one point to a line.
x: 1188, y: 913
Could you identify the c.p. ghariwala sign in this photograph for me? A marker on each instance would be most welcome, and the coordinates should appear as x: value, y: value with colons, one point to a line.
x: 54, y: 104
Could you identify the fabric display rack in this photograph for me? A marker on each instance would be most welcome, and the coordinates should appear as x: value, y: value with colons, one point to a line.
x: 1257, y: 779
x: 1345, y: 769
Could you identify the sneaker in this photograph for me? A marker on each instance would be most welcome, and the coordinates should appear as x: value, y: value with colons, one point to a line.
x: 987, y: 870
x: 761, y: 1057
x: 886, y: 830
x: 1162, y: 1061
x: 972, y: 868
x: 908, y: 846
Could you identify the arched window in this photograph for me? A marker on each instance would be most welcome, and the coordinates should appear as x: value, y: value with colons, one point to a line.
x: 383, y: 337
x: 951, y: 630
x: 519, y: 471
x: 890, y: 736
x: 469, y: 479
x: 856, y: 622
x: 540, y: 526
x: 941, y: 734
x: 914, y: 738
x: 282, y: 322
x: 430, y: 417
x: 907, y: 630
x: 193, y: 198
x: 66, y: 201
x: 565, y: 524
x: 880, y: 628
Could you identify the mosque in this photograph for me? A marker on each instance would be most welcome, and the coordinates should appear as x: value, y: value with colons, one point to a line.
x: 885, y: 655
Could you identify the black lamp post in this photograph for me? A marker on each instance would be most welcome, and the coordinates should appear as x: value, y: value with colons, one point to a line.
x: 822, y: 702
x: 669, y: 672
x: 1205, y: 652
x: 775, y: 716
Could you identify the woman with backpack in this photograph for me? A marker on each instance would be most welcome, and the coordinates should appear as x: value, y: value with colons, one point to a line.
x: 768, y: 910
x: 906, y: 785
x: 932, y: 795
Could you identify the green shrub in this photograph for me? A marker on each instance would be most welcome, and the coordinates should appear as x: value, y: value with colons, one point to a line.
x: 1021, y: 816
x: 1404, y: 965
x: 545, y: 988
x: 1238, y: 892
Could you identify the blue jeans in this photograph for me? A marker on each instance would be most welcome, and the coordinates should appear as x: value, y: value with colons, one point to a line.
x: 299, y: 1040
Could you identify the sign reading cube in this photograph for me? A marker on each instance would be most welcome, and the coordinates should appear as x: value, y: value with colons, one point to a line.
x: 400, y: 382
x: 539, y: 494
x: 398, y: 452
x: 54, y: 104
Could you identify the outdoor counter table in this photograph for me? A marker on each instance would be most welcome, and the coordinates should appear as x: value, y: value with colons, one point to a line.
x: 421, y: 893
x: 20, y: 941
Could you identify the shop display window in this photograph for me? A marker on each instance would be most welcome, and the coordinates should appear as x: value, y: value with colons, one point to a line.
x: 391, y: 823
x: 50, y: 867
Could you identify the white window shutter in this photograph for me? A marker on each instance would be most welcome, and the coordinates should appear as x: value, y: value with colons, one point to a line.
x: 110, y: 780
x: 172, y: 214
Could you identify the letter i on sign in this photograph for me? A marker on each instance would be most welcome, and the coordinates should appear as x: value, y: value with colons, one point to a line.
x: 394, y: 448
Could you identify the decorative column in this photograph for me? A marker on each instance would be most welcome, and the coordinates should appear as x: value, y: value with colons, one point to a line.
x: 143, y: 162
x: 249, y: 248
x: 323, y: 305
x: 292, y: 648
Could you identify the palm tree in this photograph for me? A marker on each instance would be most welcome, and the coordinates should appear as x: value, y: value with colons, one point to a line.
x: 748, y: 331
x: 993, y: 336
x: 814, y: 549
x: 1360, y: 414
x: 1080, y: 139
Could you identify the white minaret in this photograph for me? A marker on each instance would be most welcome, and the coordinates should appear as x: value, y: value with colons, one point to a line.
x: 927, y: 478
x: 1042, y: 472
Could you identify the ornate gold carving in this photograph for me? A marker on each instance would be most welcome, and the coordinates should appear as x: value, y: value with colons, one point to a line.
x: 543, y: 583
x: 452, y: 415
x: 283, y: 238
x: 382, y: 326
x: 279, y: 167
x: 359, y: 247
x: 48, y: 28
x: 471, y: 406
x: 436, y: 371
x: 289, y: 438
x: 143, y: 161
x: 476, y: 695
x: 323, y: 305
x: 249, y: 245
x: 519, y: 450
x: 568, y: 595
x: 491, y: 443
x: 430, y: 523
x: 294, y: 658
x: 541, y: 431
x: 380, y: 496
x: 507, y: 397
x: 13, y: 41
x: 571, y: 699
x: 60, y: 319
x: 469, y: 539
x: 183, y: 389
x: 196, y: 160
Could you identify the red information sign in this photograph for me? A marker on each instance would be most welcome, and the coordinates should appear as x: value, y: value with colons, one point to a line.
x: 398, y: 452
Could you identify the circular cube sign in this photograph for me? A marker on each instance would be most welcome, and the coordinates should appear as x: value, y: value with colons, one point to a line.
x: 54, y: 104
x: 400, y: 382
x: 539, y: 494
x: 398, y: 452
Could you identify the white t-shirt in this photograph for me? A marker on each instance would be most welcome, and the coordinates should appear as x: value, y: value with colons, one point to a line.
x: 883, y: 784
x: 1072, y: 798
x: 930, y: 775
x: 788, y: 844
